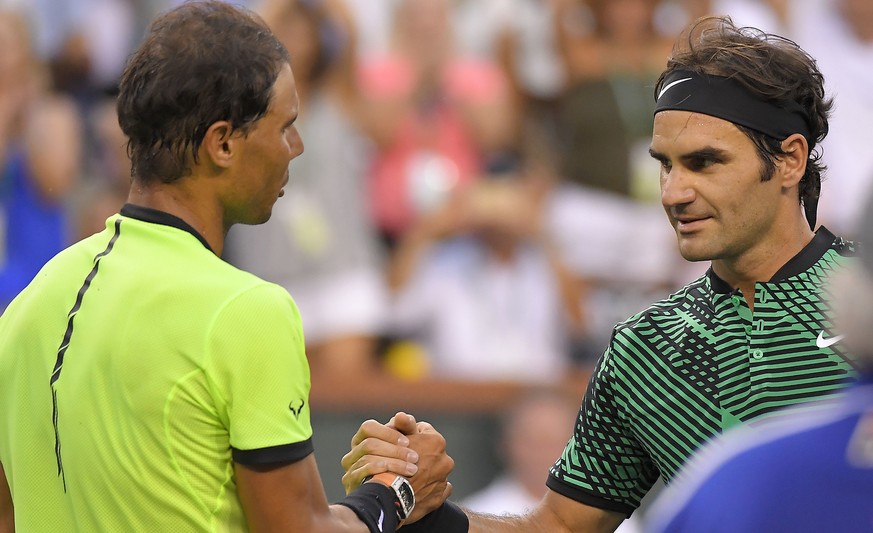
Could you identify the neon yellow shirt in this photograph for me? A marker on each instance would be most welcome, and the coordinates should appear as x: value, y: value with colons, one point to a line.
x: 166, y: 365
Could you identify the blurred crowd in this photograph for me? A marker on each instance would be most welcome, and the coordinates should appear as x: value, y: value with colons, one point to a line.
x: 475, y: 200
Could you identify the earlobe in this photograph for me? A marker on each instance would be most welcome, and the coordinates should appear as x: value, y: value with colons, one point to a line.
x: 793, y: 162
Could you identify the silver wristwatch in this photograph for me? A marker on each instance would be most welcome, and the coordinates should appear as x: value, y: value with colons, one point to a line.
x: 402, y: 489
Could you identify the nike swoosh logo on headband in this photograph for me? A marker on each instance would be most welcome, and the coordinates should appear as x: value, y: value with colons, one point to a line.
x: 670, y: 85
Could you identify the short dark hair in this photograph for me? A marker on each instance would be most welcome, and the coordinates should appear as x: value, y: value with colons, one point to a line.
x: 201, y: 62
x: 771, y: 67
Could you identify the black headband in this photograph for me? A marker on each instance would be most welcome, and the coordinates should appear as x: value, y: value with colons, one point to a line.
x: 727, y: 99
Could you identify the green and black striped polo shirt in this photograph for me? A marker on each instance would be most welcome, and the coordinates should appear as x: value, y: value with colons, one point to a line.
x: 696, y: 363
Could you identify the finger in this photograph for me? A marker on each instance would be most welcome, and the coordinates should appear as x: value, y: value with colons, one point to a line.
x: 373, y: 429
x: 403, y: 422
x: 370, y: 466
x: 425, y: 427
x: 372, y: 447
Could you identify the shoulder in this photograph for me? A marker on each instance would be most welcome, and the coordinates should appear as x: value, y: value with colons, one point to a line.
x: 672, y: 308
x: 656, y: 334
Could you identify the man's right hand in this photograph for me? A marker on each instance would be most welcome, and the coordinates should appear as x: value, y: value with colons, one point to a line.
x: 403, y: 446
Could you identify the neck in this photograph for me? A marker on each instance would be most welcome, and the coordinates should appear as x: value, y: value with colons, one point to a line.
x: 176, y: 199
x: 762, y: 263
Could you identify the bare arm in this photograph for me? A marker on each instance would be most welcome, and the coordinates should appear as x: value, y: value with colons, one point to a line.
x: 7, y: 514
x: 54, y: 148
x: 291, y: 498
x: 554, y: 514
x: 448, y: 220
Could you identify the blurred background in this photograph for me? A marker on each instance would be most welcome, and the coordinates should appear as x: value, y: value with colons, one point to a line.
x: 475, y: 208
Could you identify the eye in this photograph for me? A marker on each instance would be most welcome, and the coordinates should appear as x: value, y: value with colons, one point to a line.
x: 697, y: 164
x: 666, y: 165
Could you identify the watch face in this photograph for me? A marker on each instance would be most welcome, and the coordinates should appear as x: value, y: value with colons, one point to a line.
x: 406, y: 496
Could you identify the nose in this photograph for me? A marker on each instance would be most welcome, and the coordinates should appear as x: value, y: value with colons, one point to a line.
x: 676, y: 188
x: 295, y: 141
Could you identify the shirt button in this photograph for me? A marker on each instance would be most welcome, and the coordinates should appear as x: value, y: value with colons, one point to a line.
x: 757, y: 353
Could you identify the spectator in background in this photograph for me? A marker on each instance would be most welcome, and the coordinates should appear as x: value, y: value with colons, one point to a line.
x: 107, y: 179
x: 440, y: 118
x: 40, y: 157
x: 613, y: 55
x: 768, y: 15
x: 533, y: 432
x: 479, y: 288
x: 320, y: 243
x: 92, y: 46
x: 520, y: 35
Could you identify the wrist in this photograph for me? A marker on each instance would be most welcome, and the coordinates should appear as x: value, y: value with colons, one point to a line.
x: 404, y: 495
x: 374, y: 504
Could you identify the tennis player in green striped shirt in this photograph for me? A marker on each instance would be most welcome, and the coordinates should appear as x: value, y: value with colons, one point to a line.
x: 739, y: 116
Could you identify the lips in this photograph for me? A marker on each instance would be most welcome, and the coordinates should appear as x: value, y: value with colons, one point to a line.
x: 687, y: 224
x: 284, y: 184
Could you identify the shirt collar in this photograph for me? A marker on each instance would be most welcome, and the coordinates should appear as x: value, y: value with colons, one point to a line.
x: 154, y: 216
x: 821, y: 242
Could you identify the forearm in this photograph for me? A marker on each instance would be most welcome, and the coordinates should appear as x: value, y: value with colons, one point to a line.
x: 455, y: 519
x: 54, y: 150
x: 554, y: 514
x: 416, y: 243
x: 481, y: 523
x: 340, y: 519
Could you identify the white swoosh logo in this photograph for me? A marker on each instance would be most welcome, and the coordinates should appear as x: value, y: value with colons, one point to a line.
x: 670, y: 85
x: 381, y: 517
x: 822, y: 342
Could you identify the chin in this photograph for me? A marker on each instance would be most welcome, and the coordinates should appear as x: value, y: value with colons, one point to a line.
x: 263, y: 219
x: 256, y: 219
x: 693, y: 253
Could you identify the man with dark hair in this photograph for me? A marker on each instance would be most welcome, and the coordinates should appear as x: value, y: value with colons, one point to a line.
x: 738, y: 116
x: 146, y: 384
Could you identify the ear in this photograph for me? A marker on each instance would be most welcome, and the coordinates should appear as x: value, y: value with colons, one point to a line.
x: 792, y: 164
x: 219, y: 144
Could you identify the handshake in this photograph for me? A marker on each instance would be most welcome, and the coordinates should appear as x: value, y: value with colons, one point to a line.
x: 416, y: 451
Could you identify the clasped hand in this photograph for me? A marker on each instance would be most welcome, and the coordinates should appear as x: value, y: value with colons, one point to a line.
x: 403, y: 446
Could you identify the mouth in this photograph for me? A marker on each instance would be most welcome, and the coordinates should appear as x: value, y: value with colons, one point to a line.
x: 687, y: 224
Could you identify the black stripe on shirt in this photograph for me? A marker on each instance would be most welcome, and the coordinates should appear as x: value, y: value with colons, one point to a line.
x: 284, y: 453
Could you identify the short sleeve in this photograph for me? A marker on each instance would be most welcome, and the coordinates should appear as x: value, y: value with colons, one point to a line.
x: 603, y: 465
x: 258, y: 369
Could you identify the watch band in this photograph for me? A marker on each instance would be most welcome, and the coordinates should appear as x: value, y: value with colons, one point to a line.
x: 402, y: 489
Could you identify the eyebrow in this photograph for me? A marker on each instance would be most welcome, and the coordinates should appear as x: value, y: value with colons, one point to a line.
x: 708, y: 152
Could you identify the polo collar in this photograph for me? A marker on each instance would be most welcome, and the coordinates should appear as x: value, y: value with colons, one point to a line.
x: 821, y: 242
x: 154, y: 216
